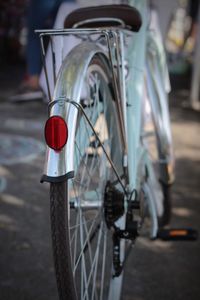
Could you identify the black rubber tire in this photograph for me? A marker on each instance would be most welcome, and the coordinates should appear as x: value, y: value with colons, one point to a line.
x: 60, y: 239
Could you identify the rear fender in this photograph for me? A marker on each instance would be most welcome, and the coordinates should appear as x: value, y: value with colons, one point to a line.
x: 59, y: 165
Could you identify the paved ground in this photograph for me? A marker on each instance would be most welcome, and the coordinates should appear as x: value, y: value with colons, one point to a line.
x: 156, y: 270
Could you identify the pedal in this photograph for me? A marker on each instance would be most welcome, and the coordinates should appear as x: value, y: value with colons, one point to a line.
x: 181, y: 234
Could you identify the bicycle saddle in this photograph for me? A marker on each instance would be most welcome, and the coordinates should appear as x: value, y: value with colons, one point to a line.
x: 128, y: 14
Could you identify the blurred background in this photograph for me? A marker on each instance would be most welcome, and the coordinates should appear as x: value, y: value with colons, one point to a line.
x: 156, y: 270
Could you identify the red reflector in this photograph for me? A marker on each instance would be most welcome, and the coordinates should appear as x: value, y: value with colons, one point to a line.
x: 56, y: 133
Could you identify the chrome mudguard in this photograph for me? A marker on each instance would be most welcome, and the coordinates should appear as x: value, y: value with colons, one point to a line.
x: 59, y: 165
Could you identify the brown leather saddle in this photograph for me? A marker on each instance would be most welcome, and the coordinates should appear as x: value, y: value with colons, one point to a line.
x: 128, y: 14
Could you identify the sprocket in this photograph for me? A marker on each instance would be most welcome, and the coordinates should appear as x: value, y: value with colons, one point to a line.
x: 113, y: 204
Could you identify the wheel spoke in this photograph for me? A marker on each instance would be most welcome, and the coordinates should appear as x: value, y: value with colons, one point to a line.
x: 103, y: 266
x: 83, y: 263
x: 94, y: 265
x: 84, y: 244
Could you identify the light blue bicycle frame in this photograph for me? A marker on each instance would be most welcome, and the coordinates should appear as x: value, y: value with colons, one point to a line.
x: 135, y: 89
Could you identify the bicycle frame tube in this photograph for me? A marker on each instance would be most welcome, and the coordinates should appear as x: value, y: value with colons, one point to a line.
x: 134, y: 86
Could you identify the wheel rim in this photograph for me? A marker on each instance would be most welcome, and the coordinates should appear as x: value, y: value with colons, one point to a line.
x: 90, y: 240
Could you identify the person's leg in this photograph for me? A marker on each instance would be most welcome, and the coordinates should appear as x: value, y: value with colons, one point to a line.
x: 38, y: 12
x: 41, y: 14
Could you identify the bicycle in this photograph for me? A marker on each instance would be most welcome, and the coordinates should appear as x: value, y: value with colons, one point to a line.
x: 106, y: 175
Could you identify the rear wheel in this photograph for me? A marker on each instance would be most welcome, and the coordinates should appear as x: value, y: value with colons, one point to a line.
x: 82, y: 242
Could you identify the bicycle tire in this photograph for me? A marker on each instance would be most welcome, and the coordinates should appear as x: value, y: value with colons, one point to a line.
x: 68, y: 263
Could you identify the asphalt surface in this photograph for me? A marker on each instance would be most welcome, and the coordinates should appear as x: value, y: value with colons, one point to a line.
x: 155, y: 269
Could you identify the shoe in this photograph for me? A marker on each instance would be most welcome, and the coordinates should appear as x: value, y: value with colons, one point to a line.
x: 27, y: 93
